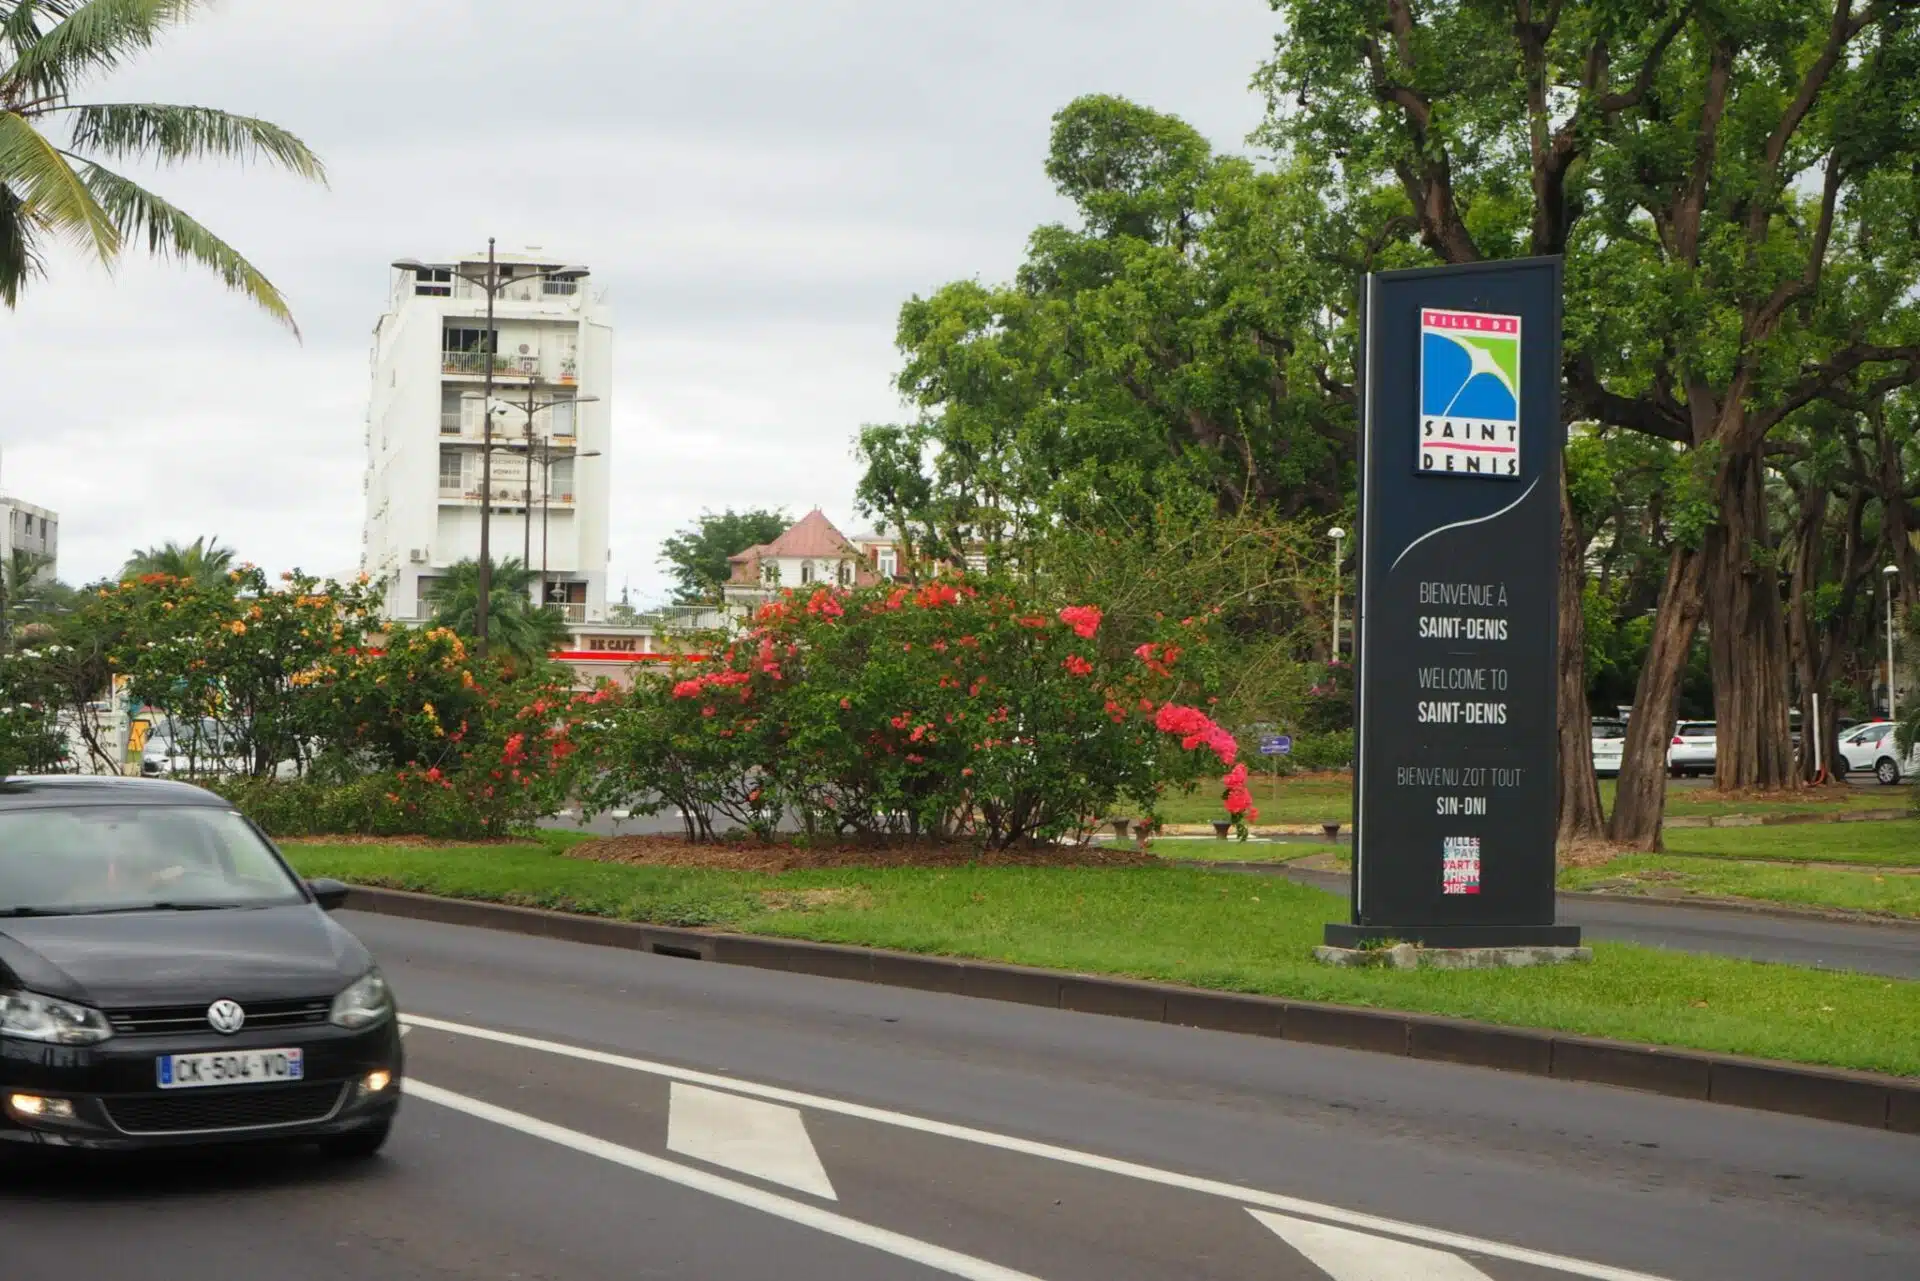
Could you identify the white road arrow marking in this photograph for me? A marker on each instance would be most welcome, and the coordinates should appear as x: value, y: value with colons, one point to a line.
x: 1346, y: 1255
x: 936, y: 1257
x: 1236, y: 1192
x: 765, y: 1140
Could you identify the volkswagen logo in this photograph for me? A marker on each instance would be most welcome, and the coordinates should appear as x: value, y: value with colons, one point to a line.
x: 226, y: 1017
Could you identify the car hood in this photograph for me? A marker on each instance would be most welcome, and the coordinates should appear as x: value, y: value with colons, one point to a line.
x: 166, y: 958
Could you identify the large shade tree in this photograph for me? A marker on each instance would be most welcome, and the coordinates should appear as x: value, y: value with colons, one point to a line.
x: 59, y: 179
x: 1733, y: 185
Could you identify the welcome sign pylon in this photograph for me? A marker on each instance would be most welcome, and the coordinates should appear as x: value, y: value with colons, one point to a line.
x: 1457, y: 630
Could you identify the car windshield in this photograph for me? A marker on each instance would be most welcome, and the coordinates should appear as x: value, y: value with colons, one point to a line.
x: 124, y: 858
x: 1609, y: 729
x: 1697, y: 729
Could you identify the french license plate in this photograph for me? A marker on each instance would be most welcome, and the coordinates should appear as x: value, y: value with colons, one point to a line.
x: 243, y: 1067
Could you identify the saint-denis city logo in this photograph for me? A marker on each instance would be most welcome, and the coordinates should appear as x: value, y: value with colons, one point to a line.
x: 1469, y: 394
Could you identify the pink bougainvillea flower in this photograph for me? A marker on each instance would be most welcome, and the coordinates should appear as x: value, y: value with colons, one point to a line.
x: 1083, y: 619
x: 846, y: 705
x: 1236, y: 777
x: 1239, y: 801
x: 1078, y: 665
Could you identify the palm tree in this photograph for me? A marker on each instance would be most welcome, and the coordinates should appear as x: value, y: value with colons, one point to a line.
x: 204, y: 561
x: 53, y: 184
x: 514, y: 623
x: 20, y: 573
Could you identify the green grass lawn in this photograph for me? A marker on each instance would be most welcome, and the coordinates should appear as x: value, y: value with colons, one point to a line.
x: 1324, y: 800
x: 1888, y: 893
x: 1890, y: 844
x: 1203, y: 928
x: 1212, y: 850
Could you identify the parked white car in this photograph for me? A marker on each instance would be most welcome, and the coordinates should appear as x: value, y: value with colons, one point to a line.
x: 1870, y: 749
x: 1609, y: 740
x: 1693, y: 750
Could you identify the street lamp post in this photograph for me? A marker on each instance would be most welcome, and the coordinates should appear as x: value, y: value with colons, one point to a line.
x: 1892, y: 576
x: 1337, y: 534
x: 530, y: 408
x: 492, y: 283
x: 546, y: 500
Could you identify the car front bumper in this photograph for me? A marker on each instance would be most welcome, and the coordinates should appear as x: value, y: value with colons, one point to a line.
x: 118, y: 1106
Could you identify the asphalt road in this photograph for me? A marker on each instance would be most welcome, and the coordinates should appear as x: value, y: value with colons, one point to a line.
x: 579, y: 1113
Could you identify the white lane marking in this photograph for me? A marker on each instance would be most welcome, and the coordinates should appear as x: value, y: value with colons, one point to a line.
x: 1050, y: 1152
x: 765, y: 1140
x: 1345, y: 1255
x: 933, y: 1256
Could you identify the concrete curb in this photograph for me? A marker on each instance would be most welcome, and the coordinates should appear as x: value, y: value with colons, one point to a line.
x: 1852, y: 1098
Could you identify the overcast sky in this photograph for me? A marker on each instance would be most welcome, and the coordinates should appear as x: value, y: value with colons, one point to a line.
x: 758, y: 185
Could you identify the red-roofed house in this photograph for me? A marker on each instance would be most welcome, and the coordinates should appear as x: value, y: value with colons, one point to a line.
x: 811, y: 552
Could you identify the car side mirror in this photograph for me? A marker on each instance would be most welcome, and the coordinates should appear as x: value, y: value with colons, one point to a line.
x: 330, y: 894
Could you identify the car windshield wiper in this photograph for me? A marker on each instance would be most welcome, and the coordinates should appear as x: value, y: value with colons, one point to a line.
x: 32, y: 911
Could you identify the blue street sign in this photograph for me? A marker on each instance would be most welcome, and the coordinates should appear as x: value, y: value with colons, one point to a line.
x: 1276, y: 745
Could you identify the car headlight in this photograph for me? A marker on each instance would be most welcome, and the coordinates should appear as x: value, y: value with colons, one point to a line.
x: 32, y: 1017
x: 364, y: 1003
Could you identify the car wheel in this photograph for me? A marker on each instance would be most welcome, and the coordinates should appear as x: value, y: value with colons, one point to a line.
x: 357, y: 1145
x: 1887, y: 770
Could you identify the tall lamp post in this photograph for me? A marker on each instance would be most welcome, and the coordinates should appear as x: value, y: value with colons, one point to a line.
x: 1337, y: 534
x: 530, y: 407
x: 546, y: 500
x: 491, y: 283
x: 1892, y: 576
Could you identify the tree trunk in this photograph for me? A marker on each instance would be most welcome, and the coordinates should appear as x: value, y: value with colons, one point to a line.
x: 1640, y: 804
x: 1577, y: 794
x: 1747, y: 639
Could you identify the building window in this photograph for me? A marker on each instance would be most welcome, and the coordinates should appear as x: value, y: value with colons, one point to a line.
x: 426, y: 586
x: 806, y: 572
x: 770, y: 573
x: 560, y: 417
x: 433, y: 282
x: 846, y: 573
x: 559, y: 287
x: 452, y: 469
x: 560, y: 479
x: 464, y: 350
x: 452, y: 415
x: 888, y: 561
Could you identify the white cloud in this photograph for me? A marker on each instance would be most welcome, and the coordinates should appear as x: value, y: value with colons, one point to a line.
x: 759, y: 185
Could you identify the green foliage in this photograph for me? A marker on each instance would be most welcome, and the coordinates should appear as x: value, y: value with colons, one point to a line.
x: 368, y: 806
x: 53, y: 182
x: 202, y: 561
x: 959, y: 709
x: 515, y: 624
x: 696, y: 556
x: 1188, y: 341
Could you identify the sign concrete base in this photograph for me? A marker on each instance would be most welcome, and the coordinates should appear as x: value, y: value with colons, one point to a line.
x: 1405, y: 956
x: 1340, y: 934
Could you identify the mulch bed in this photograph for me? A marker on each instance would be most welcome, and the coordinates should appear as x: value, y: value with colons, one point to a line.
x: 752, y: 856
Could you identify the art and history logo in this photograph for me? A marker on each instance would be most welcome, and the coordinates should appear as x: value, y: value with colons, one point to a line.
x: 1469, y: 394
x: 1460, y: 865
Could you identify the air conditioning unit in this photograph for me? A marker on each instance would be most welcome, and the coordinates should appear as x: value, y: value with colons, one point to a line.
x: 417, y: 555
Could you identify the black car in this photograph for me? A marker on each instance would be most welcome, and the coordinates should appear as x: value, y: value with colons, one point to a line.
x: 166, y: 979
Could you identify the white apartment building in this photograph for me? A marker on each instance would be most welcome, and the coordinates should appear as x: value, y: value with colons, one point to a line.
x: 33, y: 530
x: 551, y: 349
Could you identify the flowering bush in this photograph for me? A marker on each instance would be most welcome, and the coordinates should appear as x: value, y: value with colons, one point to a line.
x: 493, y: 739
x: 956, y: 709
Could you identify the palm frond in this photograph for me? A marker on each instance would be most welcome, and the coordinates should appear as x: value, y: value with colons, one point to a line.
x: 170, y: 134
x: 49, y: 190
x: 170, y: 233
x: 94, y: 36
x: 18, y: 261
x: 23, y: 21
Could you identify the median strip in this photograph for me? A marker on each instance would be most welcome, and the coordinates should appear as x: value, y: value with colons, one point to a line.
x: 1855, y: 1098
